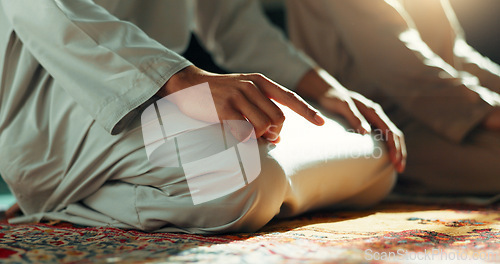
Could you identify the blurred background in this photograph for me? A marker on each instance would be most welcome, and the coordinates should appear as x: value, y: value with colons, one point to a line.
x: 481, y: 22
x: 479, y: 18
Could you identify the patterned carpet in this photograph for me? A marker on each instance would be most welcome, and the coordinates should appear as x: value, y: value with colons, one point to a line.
x: 392, y: 232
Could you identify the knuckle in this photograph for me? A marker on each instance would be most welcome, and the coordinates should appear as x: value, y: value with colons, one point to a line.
x: 290, y: 95
x: 241, y: 76
x: 264, y: 124
x: 224, y: 107
x: 344, y: 103
x: 247, y: 85
x: 278, y: 117
x: 235, y: 95
x: 357, y: 121
x: 258, y: 76
x: 344, y: 107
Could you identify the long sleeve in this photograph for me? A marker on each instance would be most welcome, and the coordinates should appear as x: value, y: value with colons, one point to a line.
x: 390, y: 54
x: 241, y: 39
x: 109, y: 67
x: 466, y: 58
x: 471, y: 61
x: 440, y: 29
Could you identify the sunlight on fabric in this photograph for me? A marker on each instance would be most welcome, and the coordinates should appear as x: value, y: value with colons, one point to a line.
x: 303, y: 143
x: 411, y: 38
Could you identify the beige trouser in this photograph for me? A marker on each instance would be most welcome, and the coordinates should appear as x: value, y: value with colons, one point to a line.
x: 439, y: 166
x: 312, y: 168
x: 62, y: 164
x: 79, y: 173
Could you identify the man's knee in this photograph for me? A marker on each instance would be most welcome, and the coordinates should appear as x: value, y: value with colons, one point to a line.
x: 375, y: 191
x: 243, y: 210
x: 375, y: 177
x: 251, y: 207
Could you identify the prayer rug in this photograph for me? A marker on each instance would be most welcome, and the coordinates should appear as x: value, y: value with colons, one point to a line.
x: 390, y: 232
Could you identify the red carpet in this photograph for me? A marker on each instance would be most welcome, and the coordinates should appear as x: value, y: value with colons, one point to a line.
x: 396, y: 233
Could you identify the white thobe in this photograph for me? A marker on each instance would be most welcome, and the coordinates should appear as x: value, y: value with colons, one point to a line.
x: 76, y: 74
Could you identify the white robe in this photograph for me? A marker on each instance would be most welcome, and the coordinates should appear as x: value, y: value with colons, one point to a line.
x: 75, y: 75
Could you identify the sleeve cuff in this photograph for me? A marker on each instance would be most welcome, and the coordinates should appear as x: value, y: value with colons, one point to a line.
x: 118, y: 113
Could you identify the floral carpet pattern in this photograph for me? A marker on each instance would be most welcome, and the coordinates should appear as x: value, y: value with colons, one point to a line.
x: 391, y: 232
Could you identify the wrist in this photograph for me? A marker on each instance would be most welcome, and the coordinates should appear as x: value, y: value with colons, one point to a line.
x: 180, y: 80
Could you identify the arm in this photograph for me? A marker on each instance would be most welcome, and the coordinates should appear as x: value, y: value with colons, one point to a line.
x: 471, y: 61
x: 358, y: 111
x: 446, y: 37
x: 110, y: 67
x: 440, y: 29
x: 390, y: 54
x: 241, y: 39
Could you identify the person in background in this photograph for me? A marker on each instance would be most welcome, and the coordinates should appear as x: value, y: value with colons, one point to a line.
x: 412, y: 58
x: 76, y: 75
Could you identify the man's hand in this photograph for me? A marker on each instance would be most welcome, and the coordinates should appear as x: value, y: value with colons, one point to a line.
x: 393, y: 137
x: 359, y: 112
x: 241, y: 97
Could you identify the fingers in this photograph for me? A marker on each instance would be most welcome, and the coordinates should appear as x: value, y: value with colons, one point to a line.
x: 398, y: 153
x: 402, y: 144
x: 262, y: 109
x: 397, y: 150
x: 240, y: 131
x: 288, y: 98
x: 255, y: 115
x: 239, y: 97
x: 354, y: 118
x: 390, y: 133
x: 339, y: 104
x: 246, y: 97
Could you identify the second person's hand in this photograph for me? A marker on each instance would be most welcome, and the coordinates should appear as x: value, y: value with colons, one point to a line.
x: 359, y: 112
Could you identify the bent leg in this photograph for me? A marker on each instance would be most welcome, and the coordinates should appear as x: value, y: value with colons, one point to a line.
x: 327, y: 167
x: 311, y: 168
x: 438, y: 166
x: 110, y: 182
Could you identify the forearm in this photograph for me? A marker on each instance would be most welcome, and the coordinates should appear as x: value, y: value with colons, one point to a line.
x: 390, y: 58
x: 469, y: 60
x: 109, y: 67
x: 313, y: 85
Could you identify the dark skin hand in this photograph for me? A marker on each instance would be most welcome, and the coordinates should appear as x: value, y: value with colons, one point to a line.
x: 240, y: 97
x: 360, y: 113
x: 248, y: 97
